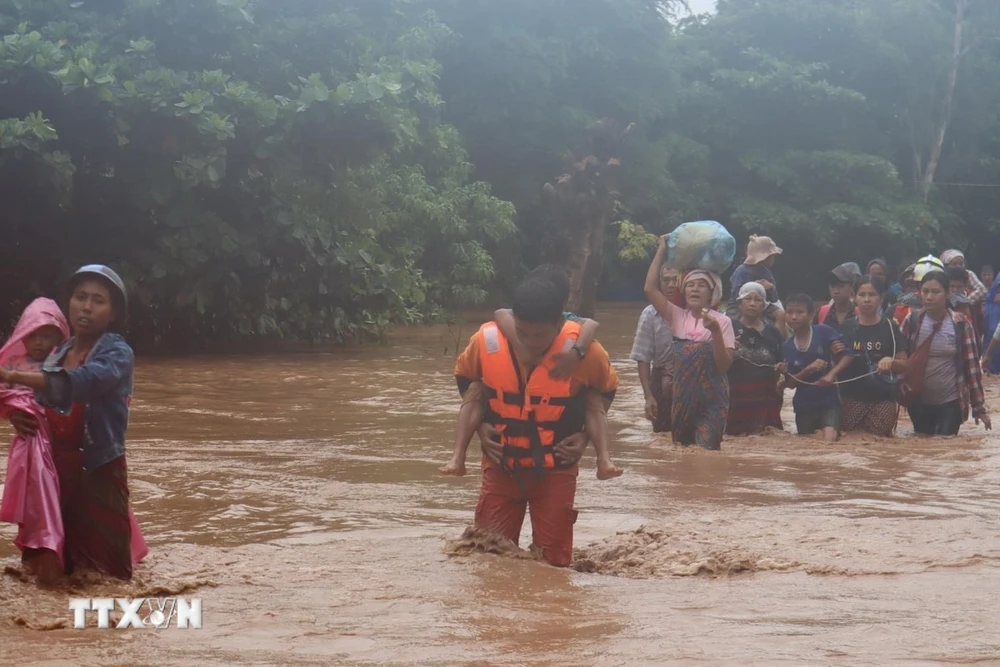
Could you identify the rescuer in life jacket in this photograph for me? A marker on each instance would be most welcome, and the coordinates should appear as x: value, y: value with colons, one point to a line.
x: 470, y: 417
x: 533, y: 432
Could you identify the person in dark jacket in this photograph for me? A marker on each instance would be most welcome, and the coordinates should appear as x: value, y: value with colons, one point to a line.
x: 86, y: 387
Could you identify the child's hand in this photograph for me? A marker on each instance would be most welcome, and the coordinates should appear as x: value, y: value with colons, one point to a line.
x: 566, y: 363
x: 827, y: 380
x: 837, y: 347
x: 885, y: 365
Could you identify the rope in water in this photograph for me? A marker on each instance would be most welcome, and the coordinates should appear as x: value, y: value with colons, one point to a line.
x: 838, y: 382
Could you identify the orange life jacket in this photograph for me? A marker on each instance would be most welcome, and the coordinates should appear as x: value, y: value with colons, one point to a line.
x: 902, y: 312
x: 532, y: 413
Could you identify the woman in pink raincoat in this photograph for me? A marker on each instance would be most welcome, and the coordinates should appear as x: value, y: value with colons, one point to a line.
x: 85, y: 387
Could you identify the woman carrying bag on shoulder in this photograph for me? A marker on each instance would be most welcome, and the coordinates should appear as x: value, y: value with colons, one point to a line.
x: 943, y: 381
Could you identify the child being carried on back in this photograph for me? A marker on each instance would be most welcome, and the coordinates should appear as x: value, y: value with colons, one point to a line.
x: 471, y: 415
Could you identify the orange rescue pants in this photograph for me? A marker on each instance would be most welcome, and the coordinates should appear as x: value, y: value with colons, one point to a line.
x: 502, y: 503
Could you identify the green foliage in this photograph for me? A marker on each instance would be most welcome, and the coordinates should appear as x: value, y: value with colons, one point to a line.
x: 258, y: 169
x: 324, y: 168
x: 635, y: 244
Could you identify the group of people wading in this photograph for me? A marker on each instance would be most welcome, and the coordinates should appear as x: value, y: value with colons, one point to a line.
x: 536, y: 385
x: 66, y: 387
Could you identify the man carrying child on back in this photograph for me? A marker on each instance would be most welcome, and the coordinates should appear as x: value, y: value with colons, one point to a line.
x: 533, y: 433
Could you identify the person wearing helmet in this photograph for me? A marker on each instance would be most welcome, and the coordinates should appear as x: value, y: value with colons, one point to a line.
x: 86, y: 386
x: 926, y: 265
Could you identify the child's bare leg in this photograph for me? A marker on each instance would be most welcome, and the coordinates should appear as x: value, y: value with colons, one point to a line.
x: 596, y: 423
x: 469, y: 419
x: 830, y: 434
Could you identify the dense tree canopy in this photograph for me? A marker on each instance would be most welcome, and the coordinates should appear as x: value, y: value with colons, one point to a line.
x: 321, y: 169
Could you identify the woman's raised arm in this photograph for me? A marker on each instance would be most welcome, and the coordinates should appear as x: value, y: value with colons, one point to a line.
x: 652, y: 286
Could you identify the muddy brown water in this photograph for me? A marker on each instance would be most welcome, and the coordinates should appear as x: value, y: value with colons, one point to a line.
x: 297, y: 496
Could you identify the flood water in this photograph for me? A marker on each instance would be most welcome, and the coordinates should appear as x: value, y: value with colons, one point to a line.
x: 298, y: 497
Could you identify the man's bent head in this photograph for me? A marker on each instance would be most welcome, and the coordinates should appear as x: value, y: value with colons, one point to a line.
x: 538, y: 314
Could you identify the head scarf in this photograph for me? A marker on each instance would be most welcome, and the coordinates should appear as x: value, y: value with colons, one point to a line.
x: 39, y: 313
x: 752, y: 288
x: 713, y: 280
x: 949, y: 255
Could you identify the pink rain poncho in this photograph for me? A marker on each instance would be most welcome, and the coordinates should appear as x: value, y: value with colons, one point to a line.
x: 31, y: 490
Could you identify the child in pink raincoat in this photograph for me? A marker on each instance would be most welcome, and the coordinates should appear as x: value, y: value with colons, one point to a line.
x: 31, y: 492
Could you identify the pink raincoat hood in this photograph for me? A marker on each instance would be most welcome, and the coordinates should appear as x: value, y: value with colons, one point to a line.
x: 39, y: 313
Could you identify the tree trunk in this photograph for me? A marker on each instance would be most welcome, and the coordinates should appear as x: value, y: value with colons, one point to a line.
x: 578, y: 265
x: 584, y: 203
x: 937, y: 145
x: 595, y: 266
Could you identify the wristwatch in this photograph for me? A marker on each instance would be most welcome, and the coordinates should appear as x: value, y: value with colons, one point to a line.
x: 580, y: 352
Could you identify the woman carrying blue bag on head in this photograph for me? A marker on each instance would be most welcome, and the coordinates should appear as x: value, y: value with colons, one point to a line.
x: 869, y: 386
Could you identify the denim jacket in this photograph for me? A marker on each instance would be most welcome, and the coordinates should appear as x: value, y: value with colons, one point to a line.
x: 103, y: 383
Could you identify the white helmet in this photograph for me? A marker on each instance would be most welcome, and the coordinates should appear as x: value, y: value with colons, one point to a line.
x: 925, y: 265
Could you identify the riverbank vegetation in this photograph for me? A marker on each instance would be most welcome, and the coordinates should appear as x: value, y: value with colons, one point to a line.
x: 322, y: 169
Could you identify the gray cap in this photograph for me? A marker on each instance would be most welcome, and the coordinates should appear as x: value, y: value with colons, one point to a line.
x: 848, y: 272
x: 101, y: 271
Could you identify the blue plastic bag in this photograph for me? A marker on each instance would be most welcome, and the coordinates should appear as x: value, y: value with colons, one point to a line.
x: 704, y: 244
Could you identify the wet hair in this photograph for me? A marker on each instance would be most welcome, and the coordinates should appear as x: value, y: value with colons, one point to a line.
x: 956, y: 274
x: 987, y: 267
x: 940, y: 277
x: 557, y: 275
x: 801, y: 300
x: 539, y: 299
x: 869, y: 280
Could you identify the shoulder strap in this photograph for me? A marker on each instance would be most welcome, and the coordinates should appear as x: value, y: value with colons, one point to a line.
x: 888, y: 322
x: 824, y: 311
